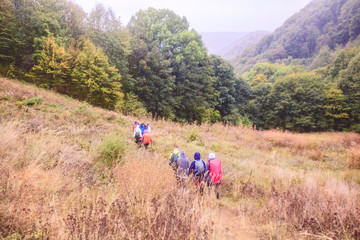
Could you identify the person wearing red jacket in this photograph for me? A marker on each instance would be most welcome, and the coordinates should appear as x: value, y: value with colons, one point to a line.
x: 213, y: 173
x: 146, y: 139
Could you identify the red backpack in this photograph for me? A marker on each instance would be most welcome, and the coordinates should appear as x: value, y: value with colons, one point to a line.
x: 147, y: 138
x: 215, y: 170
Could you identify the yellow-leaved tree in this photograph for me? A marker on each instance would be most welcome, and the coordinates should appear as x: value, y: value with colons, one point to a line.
x: 94, y: 80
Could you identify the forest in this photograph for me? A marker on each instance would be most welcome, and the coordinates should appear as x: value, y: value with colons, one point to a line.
x: 158, y: 66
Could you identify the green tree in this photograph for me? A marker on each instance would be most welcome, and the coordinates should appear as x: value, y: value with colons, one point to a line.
x: 173, y: 73
x: 297, y: 101
x: 52, y: 69
x: 349, y: 83
x: 335, y: 108
x: 105, y: 31
x: 94, y: 80
x: 9, y: 44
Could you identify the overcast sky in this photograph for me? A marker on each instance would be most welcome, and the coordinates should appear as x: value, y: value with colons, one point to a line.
x: 212, y: 15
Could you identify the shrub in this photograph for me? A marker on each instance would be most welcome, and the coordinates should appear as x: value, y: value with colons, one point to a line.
x: 193, y: 135
x: 32, y: 101
x: 111, y: 150
x: 131, y: 106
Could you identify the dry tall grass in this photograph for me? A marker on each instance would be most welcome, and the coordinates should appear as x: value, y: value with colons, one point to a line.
x: 276, y: 185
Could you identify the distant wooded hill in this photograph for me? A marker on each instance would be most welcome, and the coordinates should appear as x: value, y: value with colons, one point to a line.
x: 230, y: 44
x: 321, y: 27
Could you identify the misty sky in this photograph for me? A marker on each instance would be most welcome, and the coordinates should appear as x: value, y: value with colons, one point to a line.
x: 212, y: 15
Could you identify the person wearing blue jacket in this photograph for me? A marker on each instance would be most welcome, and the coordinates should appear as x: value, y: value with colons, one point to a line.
x: 197, y: 168
x: 142, y: 128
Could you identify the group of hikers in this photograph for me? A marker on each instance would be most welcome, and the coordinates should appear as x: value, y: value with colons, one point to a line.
x: 209, y: 173
x: 142, y: 134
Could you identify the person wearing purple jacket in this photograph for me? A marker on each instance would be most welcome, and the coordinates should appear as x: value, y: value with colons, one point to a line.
x: 183, y: 168
x: 197, y: 168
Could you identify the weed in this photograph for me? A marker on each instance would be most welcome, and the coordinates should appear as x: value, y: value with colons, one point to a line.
x: 33, y: 101
x: 111, y: 150
x: 193, y: 135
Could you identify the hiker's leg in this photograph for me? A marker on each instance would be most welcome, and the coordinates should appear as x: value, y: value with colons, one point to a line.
x: 208, y: 186
x: 201, y: 184
x: 217, y: 190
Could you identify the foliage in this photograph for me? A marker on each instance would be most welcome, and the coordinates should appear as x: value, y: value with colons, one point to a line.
x: 111, y: 150
x: 53, y: 67
x: 308, y: 37
x: 33, y: 101
x: 157, y: 66
x: 95, y: 80
x: 132, y: 106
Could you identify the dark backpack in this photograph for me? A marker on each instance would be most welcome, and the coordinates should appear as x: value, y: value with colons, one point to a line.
x: 137, y: 136
x: 199, y: 167
x: 173, y: 159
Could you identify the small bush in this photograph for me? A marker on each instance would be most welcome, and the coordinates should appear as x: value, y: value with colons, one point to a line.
x: 32, y: 101
x: 193, y: 135
x: 111, y: 150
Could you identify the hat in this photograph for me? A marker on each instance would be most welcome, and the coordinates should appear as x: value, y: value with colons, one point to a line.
x: 145, y: 131
x: 197, y: 156
x: 211, y: 156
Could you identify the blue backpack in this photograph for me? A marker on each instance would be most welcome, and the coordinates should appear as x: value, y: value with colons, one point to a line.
x: 199, y: 167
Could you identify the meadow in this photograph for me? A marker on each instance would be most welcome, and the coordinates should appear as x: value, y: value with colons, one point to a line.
x: 72, y: 171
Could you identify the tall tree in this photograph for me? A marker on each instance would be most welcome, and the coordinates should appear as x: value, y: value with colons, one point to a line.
x: 94, y: 79
x: 52, y: 69
x: 105, y: 31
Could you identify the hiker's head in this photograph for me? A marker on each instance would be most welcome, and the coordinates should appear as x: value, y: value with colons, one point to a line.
x: 145, y: 131
x: 182, y: 154
x: 212, y: 156
x: 197, y: 156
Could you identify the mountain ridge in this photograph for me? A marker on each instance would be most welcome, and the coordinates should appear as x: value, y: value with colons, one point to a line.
x: 322, y: 23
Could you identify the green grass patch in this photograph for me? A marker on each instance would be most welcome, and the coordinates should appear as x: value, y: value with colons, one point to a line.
x: 33, y: 101
x: 111, y: 150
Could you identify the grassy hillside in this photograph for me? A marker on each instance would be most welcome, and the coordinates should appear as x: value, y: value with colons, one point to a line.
x: 71, y: 171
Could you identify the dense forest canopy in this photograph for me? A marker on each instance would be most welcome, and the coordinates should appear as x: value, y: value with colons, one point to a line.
x: 158, y: 65
x: 322, y: 26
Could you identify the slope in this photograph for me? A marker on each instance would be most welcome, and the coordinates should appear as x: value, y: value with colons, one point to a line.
x: 71, y: 171
x: 219, y: 42
x: 230, y: 44
x: 322, y: 23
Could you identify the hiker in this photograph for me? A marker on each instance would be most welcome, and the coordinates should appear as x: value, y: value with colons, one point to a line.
x: 142, y: 128
x: 173, y: 159
x: 134, y: 126
x: 137, y: 135
x: 148, y: 128
x: 183, y: 164
x: 197, y: 168
x: 146, y: 139
x: 213, y: 173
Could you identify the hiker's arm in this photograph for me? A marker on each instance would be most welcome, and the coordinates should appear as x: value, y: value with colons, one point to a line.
x: 207, y: 168
x: 192, y: 166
